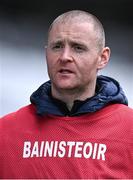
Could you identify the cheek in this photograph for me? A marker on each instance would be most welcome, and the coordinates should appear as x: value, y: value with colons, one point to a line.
x: 51, y: 66
x: 50, y: 62
x: 88, y: 69
x: 51, y: 59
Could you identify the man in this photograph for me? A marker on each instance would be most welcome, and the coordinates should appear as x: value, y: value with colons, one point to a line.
x: 78, y: 124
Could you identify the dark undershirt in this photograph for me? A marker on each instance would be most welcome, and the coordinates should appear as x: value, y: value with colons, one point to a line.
x: 77, y: 104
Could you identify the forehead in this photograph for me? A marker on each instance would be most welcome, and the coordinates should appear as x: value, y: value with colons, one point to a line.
x: 73, y: 30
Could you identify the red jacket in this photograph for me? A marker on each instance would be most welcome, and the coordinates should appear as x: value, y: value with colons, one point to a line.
x: 95, y: 145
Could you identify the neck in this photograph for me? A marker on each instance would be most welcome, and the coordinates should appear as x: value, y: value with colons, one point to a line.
x: 70, y: 95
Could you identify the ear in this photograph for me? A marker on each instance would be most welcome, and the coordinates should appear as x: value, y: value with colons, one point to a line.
x: 46, y: 49
x: 104, y: 58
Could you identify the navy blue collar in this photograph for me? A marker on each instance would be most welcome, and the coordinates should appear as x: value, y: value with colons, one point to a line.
x: 108, y: 91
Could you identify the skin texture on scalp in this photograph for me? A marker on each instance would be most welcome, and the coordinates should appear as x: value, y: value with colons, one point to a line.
x: 79, y: 17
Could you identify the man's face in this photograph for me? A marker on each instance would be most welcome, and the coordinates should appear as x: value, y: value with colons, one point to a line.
x: 72, y: 55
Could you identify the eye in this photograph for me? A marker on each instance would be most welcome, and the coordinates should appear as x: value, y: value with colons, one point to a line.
x: 56, y: 46
x: 79, y: 48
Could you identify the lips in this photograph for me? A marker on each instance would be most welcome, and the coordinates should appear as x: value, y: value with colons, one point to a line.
x: 65, y: 71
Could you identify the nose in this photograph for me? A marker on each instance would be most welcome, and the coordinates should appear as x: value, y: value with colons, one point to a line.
x: 66, y: 55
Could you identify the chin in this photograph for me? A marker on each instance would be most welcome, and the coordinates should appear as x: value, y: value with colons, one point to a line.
x: 67, y: 82
x: 65, y: 85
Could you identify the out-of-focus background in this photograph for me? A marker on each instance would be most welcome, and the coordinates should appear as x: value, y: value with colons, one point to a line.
x: 23, y: 34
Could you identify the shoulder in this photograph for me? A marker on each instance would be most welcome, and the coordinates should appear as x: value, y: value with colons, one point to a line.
x: 126, y: 114
x: 125, y: 111
x: 123, y: 117
x: 120, y: 115
x: 121, y: 109
x: 118, y: 119
x: 18, y: 116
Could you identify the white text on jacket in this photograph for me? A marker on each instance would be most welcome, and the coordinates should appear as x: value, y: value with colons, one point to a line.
x: 64, y: 149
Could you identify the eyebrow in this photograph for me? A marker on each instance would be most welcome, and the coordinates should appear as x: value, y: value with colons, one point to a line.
x: 59, y: 41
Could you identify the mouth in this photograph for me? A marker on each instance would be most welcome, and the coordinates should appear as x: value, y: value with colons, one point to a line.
x: 65, y: 71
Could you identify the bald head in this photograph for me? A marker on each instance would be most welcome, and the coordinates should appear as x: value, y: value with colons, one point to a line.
x: 78, y: 16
